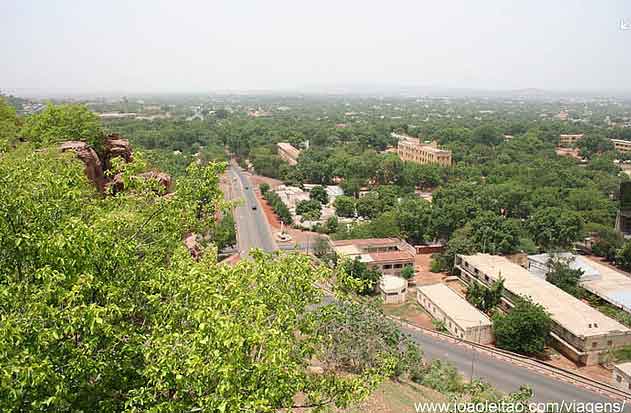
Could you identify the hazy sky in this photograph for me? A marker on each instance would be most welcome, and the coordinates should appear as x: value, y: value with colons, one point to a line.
x: 203, y: 46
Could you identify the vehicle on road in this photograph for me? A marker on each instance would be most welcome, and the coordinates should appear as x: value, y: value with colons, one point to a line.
x: 254, y: 207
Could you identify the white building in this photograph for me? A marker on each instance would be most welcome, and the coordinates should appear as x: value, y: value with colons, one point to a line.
x: 458, y: 316
x: 393, y: 289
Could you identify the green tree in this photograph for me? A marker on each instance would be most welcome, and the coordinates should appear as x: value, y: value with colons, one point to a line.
x: 495, y: 234
x: 370, y: 205
x: 344, y: 206
x: 319, y: 194
x: 9, y: 125
x: 485, y: 299
x: 564, y: 277
x: 310, y: 210
x: 264, y: 187
x: 594, y: 143
x: 355, y: 276
x: 58, y: 123
x: 408, y: 272
x: 414, y: 217
x: 109, y: 312
x: 487, y: 135
x: 525, y: 329
x: 555, y: 227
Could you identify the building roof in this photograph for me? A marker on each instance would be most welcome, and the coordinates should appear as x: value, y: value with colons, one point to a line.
x: 367, y: 242
x: 289, y: 148
x: 391, y: 256
x: 390, y: 283
x: 574, y: 315
x: 598, y: 278
x: 454, y: 306
x: 624, y: 367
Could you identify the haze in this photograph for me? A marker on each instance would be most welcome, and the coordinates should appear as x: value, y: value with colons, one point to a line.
x: 186, y: 46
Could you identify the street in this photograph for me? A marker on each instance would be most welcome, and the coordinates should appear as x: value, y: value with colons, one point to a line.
x: 253, y: 231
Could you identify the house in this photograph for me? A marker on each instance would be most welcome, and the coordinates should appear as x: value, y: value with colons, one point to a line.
x: 387, y: 255
x: 621, y: 376
x: 288, y: 152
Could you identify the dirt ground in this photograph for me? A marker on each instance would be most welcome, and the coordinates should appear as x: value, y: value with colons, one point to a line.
x: 596, y: 372
x: 410, y: 311
x: 258, y: 180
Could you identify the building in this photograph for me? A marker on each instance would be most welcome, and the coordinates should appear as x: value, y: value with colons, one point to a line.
x: 288, y: 152
x: 621, y: 145
x: 601, y: 280
x: 458, y: 316
x: 621, y: 376
x: 387, y: 255
x: 579, y: 331
x: 623, y: 215
x: 569, y: 139
x: 412, y: 150
x: 393, y: 289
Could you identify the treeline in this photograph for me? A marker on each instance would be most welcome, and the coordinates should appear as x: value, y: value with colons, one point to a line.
x: 277, y: 204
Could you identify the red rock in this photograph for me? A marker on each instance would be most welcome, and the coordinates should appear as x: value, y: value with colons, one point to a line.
x: 93, y: 166
x: 116, y: 146
x: 162, y: 178
x: 190, y: 241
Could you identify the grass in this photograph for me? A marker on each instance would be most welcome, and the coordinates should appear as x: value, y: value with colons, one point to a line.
x: 396, y: 397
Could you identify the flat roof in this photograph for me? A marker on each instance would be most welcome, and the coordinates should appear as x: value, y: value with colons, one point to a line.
x: 391, y: 256
x: 454, y: 306
x: 368, y: 242
x: 390, y: 283
x: 574, y: 315
x: 624, y: 367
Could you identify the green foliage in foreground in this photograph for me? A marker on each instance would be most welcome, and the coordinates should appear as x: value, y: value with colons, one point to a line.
x: 103, y: 309
x: 58, y: 123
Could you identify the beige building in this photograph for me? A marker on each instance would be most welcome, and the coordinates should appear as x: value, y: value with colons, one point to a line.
x: 387, y: 255
x: 459, y: 317
x: 412, y: 150
x: 393, y: 289
x: 579, y: 331
x: 621, y: 376
x: 288, y: 152
x: 621, y: 145
x: 568, y: 140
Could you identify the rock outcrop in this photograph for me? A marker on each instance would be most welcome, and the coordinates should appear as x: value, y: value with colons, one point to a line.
x: 116, y: 146
x: 89, y: 157
x: 95, y: 167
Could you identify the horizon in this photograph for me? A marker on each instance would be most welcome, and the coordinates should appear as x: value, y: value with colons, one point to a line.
x: 163, y: 48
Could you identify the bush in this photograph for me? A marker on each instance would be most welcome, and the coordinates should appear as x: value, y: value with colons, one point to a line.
x: 264, y: 187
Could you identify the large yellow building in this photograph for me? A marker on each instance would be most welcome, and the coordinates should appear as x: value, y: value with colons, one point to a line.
x: 567, y: 140
x: 412, y: 150
x: 621, y: 145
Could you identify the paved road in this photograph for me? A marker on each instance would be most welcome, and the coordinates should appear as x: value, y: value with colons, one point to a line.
x: 502, y: 374
x: 253, y: 231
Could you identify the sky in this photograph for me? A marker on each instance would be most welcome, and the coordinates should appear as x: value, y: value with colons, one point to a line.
x: 238, y: 45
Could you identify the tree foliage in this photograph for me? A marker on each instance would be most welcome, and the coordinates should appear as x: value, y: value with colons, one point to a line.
x: 485, y: 299
x: 57, y: 123
x: 525, y: 329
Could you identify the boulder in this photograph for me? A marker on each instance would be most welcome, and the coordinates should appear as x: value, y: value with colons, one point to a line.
x: 162, y: 178
x: 93, y: 166
x: 116, y: 146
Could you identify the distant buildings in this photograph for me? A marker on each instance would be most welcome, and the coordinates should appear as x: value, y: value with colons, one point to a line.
x: 412, y: 150
x: 288, y: 152
x: 568, y: 140
x: 458, y: 316
x: 621, y: 145
x: 387, y: 255
x: 581, y: 332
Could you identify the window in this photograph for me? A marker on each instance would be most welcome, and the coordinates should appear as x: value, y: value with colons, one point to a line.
x: 594, y: 344
x: 618, y: 378
x: 609, y: 343
x: 387, y: 266
x: 398, y: 265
